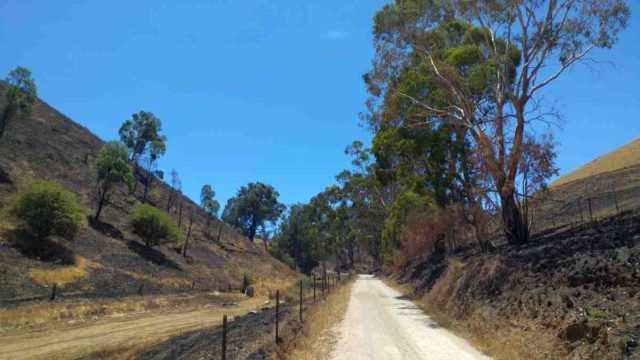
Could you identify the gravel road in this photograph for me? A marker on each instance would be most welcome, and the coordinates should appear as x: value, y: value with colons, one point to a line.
x: 381, y: 324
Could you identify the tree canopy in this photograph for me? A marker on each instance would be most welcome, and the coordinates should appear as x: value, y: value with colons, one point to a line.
x: 112, y: 168
x: 21, y: 95
x: 254, y: 206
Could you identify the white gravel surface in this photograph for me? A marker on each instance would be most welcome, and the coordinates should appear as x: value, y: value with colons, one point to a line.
x: 381, y: 325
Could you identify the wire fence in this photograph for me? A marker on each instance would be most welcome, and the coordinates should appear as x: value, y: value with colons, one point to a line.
x: 307, y: 292
x: 585, y: 201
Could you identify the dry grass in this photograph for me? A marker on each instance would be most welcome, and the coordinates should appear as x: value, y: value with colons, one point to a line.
x: 45, y: 314
x: 625, y: 156
x: 64, y: 275
x: 319, y: 332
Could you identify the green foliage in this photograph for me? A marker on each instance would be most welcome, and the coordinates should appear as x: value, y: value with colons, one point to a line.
x: 153, y: 225
x: 253, y: 207
x: 22, y: 92
x: 112, y: 168
x: 209, y: 204
x: 46, y: 208
x: 21, y: 95
x: 406, y: 203
x: 142, y: 134
x: 247, y: 280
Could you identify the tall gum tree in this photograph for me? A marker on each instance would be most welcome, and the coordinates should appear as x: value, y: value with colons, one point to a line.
x: 524, y: 46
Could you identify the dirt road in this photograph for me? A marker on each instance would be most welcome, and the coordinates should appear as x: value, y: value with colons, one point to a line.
x: 114, y: 333
x: 381, y: 324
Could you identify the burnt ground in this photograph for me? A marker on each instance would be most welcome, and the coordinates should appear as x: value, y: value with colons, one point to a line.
x: 106, y: 258
x: 578, y: 286
x: 250, y: 337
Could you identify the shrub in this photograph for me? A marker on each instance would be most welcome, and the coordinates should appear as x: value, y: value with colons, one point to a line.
x: 153, y: 225
x: 247, y: 280
x: 46, y: 208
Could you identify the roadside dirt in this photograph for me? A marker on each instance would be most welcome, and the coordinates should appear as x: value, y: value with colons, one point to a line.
x: 109, y: 334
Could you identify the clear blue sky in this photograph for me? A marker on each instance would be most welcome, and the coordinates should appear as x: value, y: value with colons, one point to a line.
x: 263, y: 90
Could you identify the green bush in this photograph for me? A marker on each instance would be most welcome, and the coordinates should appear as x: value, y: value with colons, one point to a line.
x: 153, y: 225
x: 46, y: 208
x: 247, y: 280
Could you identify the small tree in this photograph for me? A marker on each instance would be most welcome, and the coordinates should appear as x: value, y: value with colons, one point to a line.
x: 21, y: 95
x: 209, y: 204
x: 112, y: 169
x: 142, y: 136
x: 140, y: 132
x: 176, y: 190
x: 153, y: 225
x: 46, y: 208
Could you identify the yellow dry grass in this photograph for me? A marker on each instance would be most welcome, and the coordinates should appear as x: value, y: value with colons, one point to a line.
x: 62, y: 276
x: 319, y: 333
x: 624, y: 156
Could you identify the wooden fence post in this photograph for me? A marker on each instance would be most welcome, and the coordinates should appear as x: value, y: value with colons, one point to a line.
x: 277, y: 311
x: 140, y: 289
x: 53, y: 292
x: 224, y: 337
x: 300, y: 301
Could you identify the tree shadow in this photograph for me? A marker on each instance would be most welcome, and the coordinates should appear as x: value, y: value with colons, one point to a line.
x: 4, y: 177
x: 153, y: 255
x: 105, y: 228
x: 46, y: 250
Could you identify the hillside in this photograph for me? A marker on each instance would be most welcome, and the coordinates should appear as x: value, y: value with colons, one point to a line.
x: 572, y: 293
x: 625, y: 156
x: 606, y: 186
x: 107, y: 260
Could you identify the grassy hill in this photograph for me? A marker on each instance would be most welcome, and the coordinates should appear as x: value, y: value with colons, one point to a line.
x: 106, y: 259
x: 606, y: 186
x: 623, y: 157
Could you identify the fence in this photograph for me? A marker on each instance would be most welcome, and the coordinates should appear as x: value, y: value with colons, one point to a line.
x: 587, y: 200
x: 140, y: 289
x: 308, y: 293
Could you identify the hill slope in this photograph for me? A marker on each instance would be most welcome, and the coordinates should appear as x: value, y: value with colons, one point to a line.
x: 107, y: 259
x: 625, y: 156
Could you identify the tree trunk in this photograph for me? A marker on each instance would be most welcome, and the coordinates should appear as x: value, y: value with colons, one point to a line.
x: 515, y: 226
x: 100, y: 205
x: 186, y: 240
x: 220, y: 232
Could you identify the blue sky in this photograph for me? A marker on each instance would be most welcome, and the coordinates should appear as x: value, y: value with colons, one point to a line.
x: 266, y: 90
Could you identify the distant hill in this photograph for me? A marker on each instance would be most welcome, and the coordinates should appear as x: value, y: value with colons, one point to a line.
x: 605, y: 186
x: 625, y: 156
x: 107, y: 259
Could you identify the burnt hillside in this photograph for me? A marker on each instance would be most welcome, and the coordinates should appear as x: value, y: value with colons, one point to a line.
x: 572, y: 293
x: 107, y: 259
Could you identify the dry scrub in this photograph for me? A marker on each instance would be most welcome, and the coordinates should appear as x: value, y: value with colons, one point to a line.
x: 509, y: 339
x: 317, y: 337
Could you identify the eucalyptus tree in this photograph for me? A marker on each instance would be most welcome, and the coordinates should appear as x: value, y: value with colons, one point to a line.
x: 142, y: 134
x: 21, y: 94
x: 255, y: 206
x: 112, y: 169
x: 209, y: 204
x: 482, y: 67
